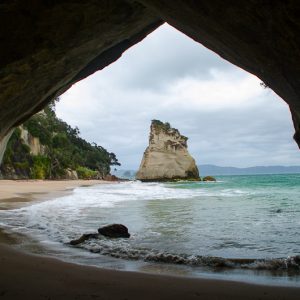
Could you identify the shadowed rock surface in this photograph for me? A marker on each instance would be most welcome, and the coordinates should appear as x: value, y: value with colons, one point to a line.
x: 46, y: 46
x: 114, y: 231
x: 83, y: 238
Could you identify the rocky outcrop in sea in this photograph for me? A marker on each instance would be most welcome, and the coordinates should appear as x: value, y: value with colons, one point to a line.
x: 167, y: 157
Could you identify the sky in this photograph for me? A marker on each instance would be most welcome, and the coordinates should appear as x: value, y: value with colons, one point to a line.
x: 229, y: 118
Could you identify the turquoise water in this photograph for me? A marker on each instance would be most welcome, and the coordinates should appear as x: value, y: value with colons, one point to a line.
x: 239, y: 226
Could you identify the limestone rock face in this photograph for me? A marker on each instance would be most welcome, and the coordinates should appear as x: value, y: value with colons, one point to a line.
x: 166, y: 157
x: 32, y: 142
x: 71, y: 174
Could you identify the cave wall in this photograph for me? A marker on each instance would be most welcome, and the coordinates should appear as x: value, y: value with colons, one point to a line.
x: 3, y: 143
x: 261, y: 37
x: 46, y: 46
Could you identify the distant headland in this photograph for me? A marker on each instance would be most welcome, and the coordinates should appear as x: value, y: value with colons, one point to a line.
x: 208, y: 169
x: 255, y: 170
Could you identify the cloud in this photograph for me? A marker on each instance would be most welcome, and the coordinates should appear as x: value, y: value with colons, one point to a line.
x: 229, y: 118
x: 163, y: 57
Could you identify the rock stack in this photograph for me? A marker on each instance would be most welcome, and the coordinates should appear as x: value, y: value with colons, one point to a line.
x: 167, y: 158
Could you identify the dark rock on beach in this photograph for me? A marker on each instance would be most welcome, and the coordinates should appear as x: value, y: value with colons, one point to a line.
x: 83, y: 238
x: 111, y: 178
x: 114, y: 231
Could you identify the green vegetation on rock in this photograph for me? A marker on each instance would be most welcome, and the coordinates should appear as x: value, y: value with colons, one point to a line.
x: 86, y: 173
x: 40, y: 168
x: 159, y: 124
x: 62, y: 149
x: 165, y: 127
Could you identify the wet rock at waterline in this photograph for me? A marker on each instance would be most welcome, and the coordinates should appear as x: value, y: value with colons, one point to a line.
x: 114, y: 231
x: 209, y: 178
x: 111, y: 178
x: 83, y: 238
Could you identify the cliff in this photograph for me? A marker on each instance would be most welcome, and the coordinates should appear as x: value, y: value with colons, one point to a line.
x: 45, y: 147
x: 34, y: 144
x: 167, y: 158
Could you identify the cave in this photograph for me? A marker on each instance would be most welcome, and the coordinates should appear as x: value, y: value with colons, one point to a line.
x: 47, y: 46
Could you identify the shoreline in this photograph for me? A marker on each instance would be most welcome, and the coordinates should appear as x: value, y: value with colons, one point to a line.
x: 25, y: 275
x: 36, y: 277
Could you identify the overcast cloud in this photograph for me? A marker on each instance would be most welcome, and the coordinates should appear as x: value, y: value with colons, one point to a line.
x: 229, y: 118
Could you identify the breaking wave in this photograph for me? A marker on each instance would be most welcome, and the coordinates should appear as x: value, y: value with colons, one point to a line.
x: 120, y: 250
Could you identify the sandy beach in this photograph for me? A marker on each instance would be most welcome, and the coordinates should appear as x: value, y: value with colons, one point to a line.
x: 26, y: 276
x: 38, y: 188
x: 15, y: 193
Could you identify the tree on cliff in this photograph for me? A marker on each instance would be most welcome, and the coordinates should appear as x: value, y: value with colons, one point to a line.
x: 63, y: 149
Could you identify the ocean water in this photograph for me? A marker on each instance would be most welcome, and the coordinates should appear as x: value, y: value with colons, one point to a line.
x: 240, y: 227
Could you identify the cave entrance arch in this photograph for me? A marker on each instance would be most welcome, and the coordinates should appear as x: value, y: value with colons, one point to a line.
x: 171, y: 78
x: 48, y: 46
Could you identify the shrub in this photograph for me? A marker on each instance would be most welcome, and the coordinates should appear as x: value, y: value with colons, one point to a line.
x: 41, y: 167
x: 86, y: 173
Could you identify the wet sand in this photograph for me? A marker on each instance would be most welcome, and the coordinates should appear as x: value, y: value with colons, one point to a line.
x: 26, y: 276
